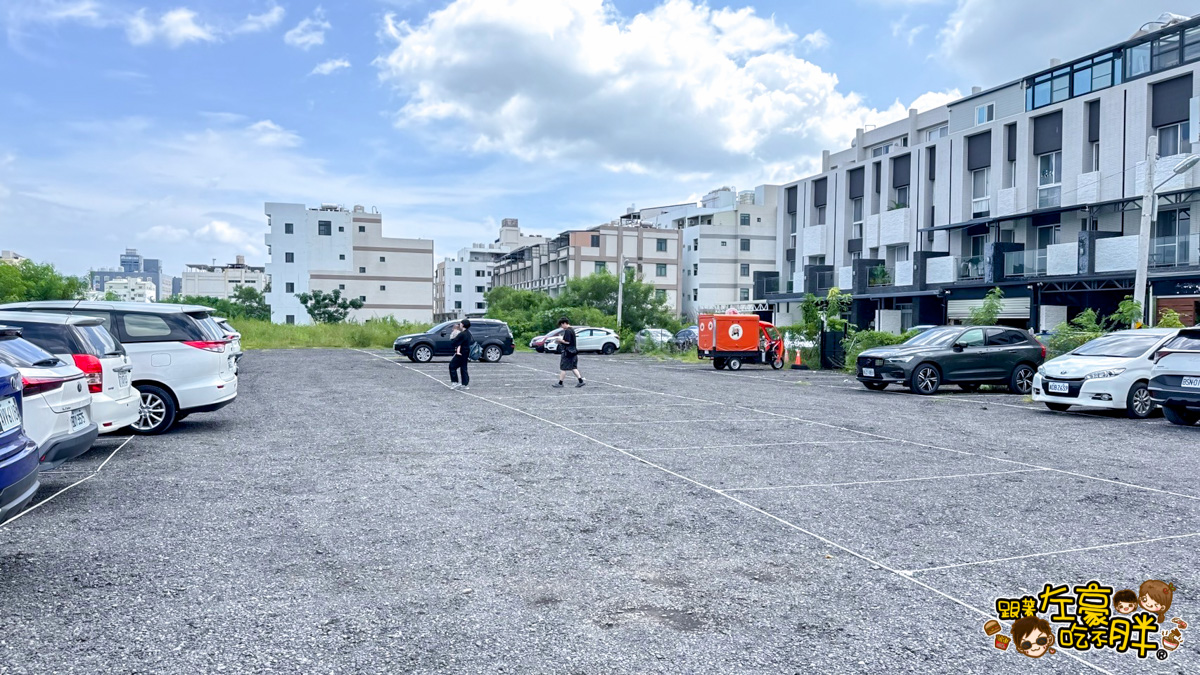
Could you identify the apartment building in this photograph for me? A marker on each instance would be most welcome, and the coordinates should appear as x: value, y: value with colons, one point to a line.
x: 331, y: 248
x: 1034, y: 186
x: 439, y: 293
x: 729, y: 249
x: 467, y: 276
x: 131, y: 289
x: 134, y: 266
x: 649, y: 247
x: 222, y: 281
x: 11, y: 257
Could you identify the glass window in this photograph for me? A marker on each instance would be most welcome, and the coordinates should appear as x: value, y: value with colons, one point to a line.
x: 1137, y: 59
x: 146, y: 325
x: 820, y: 215
x: 100, y: 341
x: 289, y: 319
x: 458, y: 271
x: 458, y: 304
x: 1165, y: 52
x: 745, y: 294
x: 601, y: 266
x: 1049, y: 179
x: 856, y: 208
x: 934, y: 134
x: 1191, y: 44
x: 985, y: 113
x: 342, y: 256
x: 362, y: 228
x: 324, y: 228
x: 934, y: 337
x: 289, y: 257
x: 289, y: 287
x: 458, y: 288
x: 745, y: 269
x: 745, y: 218
x: 660, y: 294
x: 1000, y: 336
x: 54, y: 338
x: 980, y: 204
x: 745, y: 244
x: 1101, y: 74
x: 660, y: 245
x: 1060, y: 86
x: 595, y: 241
x: 971, y: 338
x: 902, y: 197
x: 382, y: 259
x: 1119, y: 345
x: 362, y: 270
x: 1172, y: 139
x: 1041, y: 92
x: 1083, y: 81
x: 660, y: 270
x: 287, y: 228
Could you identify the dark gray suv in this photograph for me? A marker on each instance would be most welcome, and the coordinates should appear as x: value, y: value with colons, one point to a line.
x: 967, y: 356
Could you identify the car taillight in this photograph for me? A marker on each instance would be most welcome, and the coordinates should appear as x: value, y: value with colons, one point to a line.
x: 1043, y: 349
x: 208, y: 345
x: 93, y: 371
x: 40, y: 385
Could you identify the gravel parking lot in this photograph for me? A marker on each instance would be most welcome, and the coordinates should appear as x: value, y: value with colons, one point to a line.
x: 351, y: 514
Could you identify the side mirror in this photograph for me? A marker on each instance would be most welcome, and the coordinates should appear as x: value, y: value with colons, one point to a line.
x: 443, y: 333
x: 958, y: 346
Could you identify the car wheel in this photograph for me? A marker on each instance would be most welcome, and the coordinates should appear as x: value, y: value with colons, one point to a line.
x: 734, y: 364
x: 158, y: 411
x: 1021, y: 381
x: 719, y: 363
x: 492, y: 353
x: 423, y: 354
x: 1058, y: 407
x: 875, y: 386
x: 1181, y: 415
x: 608, y: 348
x: 777, y: 364
x: 1138, y: 404
x: 926, y: 379
x: 969, y: 388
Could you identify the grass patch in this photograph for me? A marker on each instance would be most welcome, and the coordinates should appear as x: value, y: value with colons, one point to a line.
x: 373, y: 334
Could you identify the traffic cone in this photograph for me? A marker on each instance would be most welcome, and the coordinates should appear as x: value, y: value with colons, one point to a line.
x: 799, y: 364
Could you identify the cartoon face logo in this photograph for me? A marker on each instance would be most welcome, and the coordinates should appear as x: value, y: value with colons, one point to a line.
x: 712, y: 325
x: 1125, y: 602
x: 1032, y: 636
x: 735, y: 332
x: 1155, y: 597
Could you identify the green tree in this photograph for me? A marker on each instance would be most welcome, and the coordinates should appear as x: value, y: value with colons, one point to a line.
x: 109, y: 296
x: 1169, y: 318
x: 33, y: 281
x: 640, y: 306
x: 1128, y: 312
x: 1070, y: 335
x: 989, y: 312
x: 12, y: 284
x: 328, y: 307
x: 250, y: 303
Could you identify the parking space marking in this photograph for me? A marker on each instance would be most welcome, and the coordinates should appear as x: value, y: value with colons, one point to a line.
x: 877, y: 564
x: 629, y: 405
x: 874, y: 482
x: 689, y: 421
x: 81, y: 481
x: 754, y: 445
x: 1050, y: 553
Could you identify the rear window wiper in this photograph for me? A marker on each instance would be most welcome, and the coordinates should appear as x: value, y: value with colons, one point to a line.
x: 45, y: 363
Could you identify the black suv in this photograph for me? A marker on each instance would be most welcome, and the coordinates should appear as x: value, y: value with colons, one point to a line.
x: 964, y: 355
x: 493, y: 336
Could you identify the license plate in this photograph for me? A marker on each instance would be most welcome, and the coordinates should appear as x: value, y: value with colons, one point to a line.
x: 79, y: 419
x: 122, y: 380
x: 1191, y: 382
x: 1058, y: 387
x: 10, y: 416
x: 868, y: 372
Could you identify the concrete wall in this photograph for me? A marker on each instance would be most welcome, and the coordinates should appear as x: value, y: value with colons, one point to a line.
x: 1116, y: 254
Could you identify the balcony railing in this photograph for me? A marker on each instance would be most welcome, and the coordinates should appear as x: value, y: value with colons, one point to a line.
x: 825, y: 280
x: 881, y: 275
x: 1025, y: 263
x: 968, y: 268
x: 1175, y: 251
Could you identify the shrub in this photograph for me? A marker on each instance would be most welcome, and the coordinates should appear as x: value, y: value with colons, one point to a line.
x: 989, y: 312
x: 1169, y: 318
x: 860, y: 341
x: 1070, y: 335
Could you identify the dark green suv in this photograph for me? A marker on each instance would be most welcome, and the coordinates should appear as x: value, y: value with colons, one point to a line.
x: 967, y: 356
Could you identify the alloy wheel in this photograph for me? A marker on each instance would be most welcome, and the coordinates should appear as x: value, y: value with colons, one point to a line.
x: 152, y: 412
x: 492, y: 354
x: 1024, y: 379
x: 1142, y: 403
x: 927, y: 380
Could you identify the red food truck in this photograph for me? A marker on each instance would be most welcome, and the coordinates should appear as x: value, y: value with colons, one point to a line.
x: 731, y: 340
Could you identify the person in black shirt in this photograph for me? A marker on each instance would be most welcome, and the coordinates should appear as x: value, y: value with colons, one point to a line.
x: 569, y: 361
x: 462, y: 352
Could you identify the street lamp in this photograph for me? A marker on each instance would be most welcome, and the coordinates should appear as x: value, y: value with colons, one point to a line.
x: 1149, y: 215
x: 620, y: 287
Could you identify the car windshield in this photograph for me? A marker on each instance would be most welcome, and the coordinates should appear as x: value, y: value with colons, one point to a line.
x: 934, y: 337
x: 99, y: 341
x: 445, y: 325
x: 1184, y: 343
x: 22, y: 353
x: 1119, y: 346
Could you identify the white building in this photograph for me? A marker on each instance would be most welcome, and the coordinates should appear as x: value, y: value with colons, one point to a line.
x: 467, y: 276
x: 132, y: 289
x: 11, y: 257
x: 222, y: 281
x: 331, y: 248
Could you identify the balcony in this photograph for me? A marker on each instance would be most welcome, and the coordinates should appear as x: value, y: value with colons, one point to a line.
x: 1178, y: 251
x: 941, y: 270
x: 881, y: 275
x: 968, y: 268
x: 1025, y: 264
x: 825, y: 280
x: 1116, y: 254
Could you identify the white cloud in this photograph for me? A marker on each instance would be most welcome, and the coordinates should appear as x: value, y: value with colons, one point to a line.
x: 995, y: 41
x: 257, y: 23
x: 330, y: 66
x: 175, y: 27
x: 270, y: 134
x: 675, y: 89
x: 166, y: 234
x: 815, y: 40
x: 310, y: 32
x: 221, y: 232
x: 903, y: 31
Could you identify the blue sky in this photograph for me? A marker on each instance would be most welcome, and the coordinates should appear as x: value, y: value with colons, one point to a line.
x: 165, y: 126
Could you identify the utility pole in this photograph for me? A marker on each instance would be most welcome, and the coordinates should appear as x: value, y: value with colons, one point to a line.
x: 620, y: 288
x: 1149, y: 209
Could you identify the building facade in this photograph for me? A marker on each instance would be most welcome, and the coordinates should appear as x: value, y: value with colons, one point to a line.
x: 11, y: 257
x: 653, y: 250
x: 134, y: 266
x: 467, y: 277
x: 222, y: 281
x: 331, y: 248
x: 131, y: 289
x: 1035, y: 187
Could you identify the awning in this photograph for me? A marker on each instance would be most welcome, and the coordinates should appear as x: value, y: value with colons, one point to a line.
x: 991, y: 220
x: 1010, y: 308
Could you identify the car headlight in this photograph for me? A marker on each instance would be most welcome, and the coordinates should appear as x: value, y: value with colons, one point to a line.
x: 902, y: 359
x: 1042, y: 371
x: 1101, y: 374
x: 403, y: 340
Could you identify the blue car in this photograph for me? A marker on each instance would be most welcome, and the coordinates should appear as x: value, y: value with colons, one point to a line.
x: 18, y: 454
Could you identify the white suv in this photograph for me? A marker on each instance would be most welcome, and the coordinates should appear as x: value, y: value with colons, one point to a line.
x: 182, y: 363
x: 1175, y: 379
x: 83, y: 341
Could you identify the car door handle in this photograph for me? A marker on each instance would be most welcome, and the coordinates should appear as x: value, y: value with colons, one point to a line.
x: 123, y: 369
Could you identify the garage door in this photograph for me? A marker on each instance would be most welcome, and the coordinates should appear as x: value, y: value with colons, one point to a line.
x: 1010, y: 308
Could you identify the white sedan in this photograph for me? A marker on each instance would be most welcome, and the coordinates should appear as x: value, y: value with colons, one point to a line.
x: 589, y: 339
x: 1112, y: 372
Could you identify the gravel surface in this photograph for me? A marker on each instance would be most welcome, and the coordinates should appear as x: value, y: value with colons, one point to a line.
x: 350, y: 514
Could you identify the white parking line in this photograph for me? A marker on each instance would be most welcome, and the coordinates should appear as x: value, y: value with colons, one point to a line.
x: 732, y: 498
x: 1041, y: 555
x: 876, y: 482
x: 630, y: 405
x: 78, y: 482
x: 687, y: 421
x: 755, y: 445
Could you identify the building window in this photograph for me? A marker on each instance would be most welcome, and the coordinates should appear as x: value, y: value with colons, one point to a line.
x: 695, y: 269
x: 695, y: 295
x: 289, y: 257
x: 745, y: 219
x: 289, y: 287
x: 900, y: 253
x: 287, y: 228
x: 934, y: 134
x: 1049, y: 179
x: 595, y: 241
x: 479, y: 273
x: 383, y: 288
x: 902, y: 197
x: 660, y: 245
x: 820, y: 215
x: 1173, y: 140
x: 745, y: 244
x: 362, y: 270
x: 458, y: 288
x: 342, y: 256
x: 1171, y: 236
x: 382, y: 259
x: 362, y: 228
x: 458, y: 271
x: 744, y: 294
x: 341, y: 287
x: 458, y: 304
x: 856, y: 218
x: 1095, y: 156
x: 695, y: 244
x: 985, y: 113
x: 341, y: 229
x: 479, y: 289
x: 980, y: 204
x: 881, y: 150
x: 324, y: 228
x: 724, y: 243
x: 479, y: 305
x: 744, y: 270
x: 601, y: 266
x: 660, y: 270
x: 289, y: 319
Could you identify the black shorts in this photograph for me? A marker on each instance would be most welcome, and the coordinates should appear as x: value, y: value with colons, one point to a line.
x: 568, y: 362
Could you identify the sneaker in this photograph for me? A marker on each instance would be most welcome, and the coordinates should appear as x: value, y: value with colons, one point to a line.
x: 464, y: 388
x: 581, y: 383
x: 557, y: 385
x: 455, y: 385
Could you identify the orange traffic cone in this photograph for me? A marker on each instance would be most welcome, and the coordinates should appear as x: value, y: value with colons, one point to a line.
x: 799, y: 364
